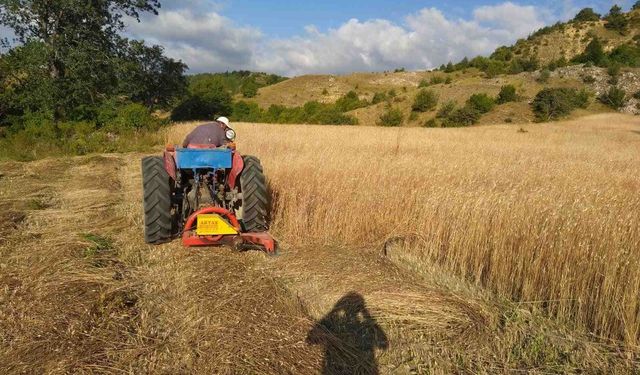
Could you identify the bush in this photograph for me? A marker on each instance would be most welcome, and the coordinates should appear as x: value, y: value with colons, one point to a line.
x: 133, y: 116
x: 636, y: 95
x: 582, y: 98
x: 626, y: 55
x: 349, y: 102
x: 436, y: 80
x: 426, y: 100
x: 423, y: 83
x: 544, y: 76
x: 554, y: 103
x: 249, y: 89
x: 464, y: 116
x: 614, y: 73
x: 379, y: 97
x: 247, y: 111
x: 312, y: 112
x: 615, y: 98
x: 494, y: 68
x: 559, y: 63
x: 507, y: 94
x: 391, y: 117
x: 431, y: 123
x: 40, y: 136
x: 332, y: 116
x: 446, y: 109
x: 482, y: 103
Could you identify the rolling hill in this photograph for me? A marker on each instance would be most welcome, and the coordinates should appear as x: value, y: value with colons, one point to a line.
x: 551, y: 48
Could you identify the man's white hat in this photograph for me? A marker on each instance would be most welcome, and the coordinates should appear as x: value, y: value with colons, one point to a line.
x: 225, y: 121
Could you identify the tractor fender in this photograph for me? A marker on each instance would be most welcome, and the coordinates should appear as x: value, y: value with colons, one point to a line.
x: 237, y: 165
x: 170, y: 163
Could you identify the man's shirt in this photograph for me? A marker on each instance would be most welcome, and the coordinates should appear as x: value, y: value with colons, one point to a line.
x: 212, y: 133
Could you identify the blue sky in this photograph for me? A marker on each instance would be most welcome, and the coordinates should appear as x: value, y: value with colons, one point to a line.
x: 286, y: 18
x: 337, y: 37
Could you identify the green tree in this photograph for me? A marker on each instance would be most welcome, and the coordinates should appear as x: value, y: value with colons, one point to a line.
x: 463, y: 64
x: 636, y: 5
x: 616, y: 20
x: 81, y: 51
x: 593, y: 53
x: 553, y: 103
x: 586, y: 15
x: 25, y: 87
x: 147, y: 76
x: 449, y: 68
x: 208, y: 98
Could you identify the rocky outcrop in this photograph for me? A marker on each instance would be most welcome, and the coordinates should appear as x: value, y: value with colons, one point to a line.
x: 598, y: 81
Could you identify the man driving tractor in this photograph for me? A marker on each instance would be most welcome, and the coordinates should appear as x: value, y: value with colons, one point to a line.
x: 218, y: 133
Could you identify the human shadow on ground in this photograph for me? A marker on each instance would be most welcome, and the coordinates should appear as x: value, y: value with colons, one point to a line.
x: 350, y: 336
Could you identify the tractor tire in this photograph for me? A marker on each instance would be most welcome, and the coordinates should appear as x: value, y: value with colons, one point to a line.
x: 156, y: 183
x: 255, y: 198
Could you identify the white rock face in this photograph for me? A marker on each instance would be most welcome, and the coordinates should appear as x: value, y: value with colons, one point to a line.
x: 628, y: 81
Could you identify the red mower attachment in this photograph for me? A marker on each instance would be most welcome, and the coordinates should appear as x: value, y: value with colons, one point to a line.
x: 217, y: 226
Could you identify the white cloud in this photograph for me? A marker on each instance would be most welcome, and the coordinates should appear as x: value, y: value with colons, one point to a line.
x: 206, y: 42
x: 508, y: 17
x: 211, y: 42
x: 427, y: 39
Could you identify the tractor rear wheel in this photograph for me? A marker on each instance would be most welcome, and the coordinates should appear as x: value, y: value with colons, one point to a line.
x: 253, y: 185
x: 158, y: 220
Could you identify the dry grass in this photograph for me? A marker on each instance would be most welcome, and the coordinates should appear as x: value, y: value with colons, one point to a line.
x: 548, y: 216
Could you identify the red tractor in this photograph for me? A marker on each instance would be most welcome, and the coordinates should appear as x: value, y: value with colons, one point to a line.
x: 208, y: 196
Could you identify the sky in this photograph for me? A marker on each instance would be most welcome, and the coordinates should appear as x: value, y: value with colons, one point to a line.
x: 341, y: 36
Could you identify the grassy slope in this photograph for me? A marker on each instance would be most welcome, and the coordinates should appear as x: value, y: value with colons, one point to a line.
x: 299, y: 90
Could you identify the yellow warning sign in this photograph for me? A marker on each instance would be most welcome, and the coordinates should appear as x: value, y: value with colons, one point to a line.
x: 213, y: 225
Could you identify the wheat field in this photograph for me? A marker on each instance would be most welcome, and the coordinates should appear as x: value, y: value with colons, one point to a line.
x: 543, y: 214
x: 479, y: 250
